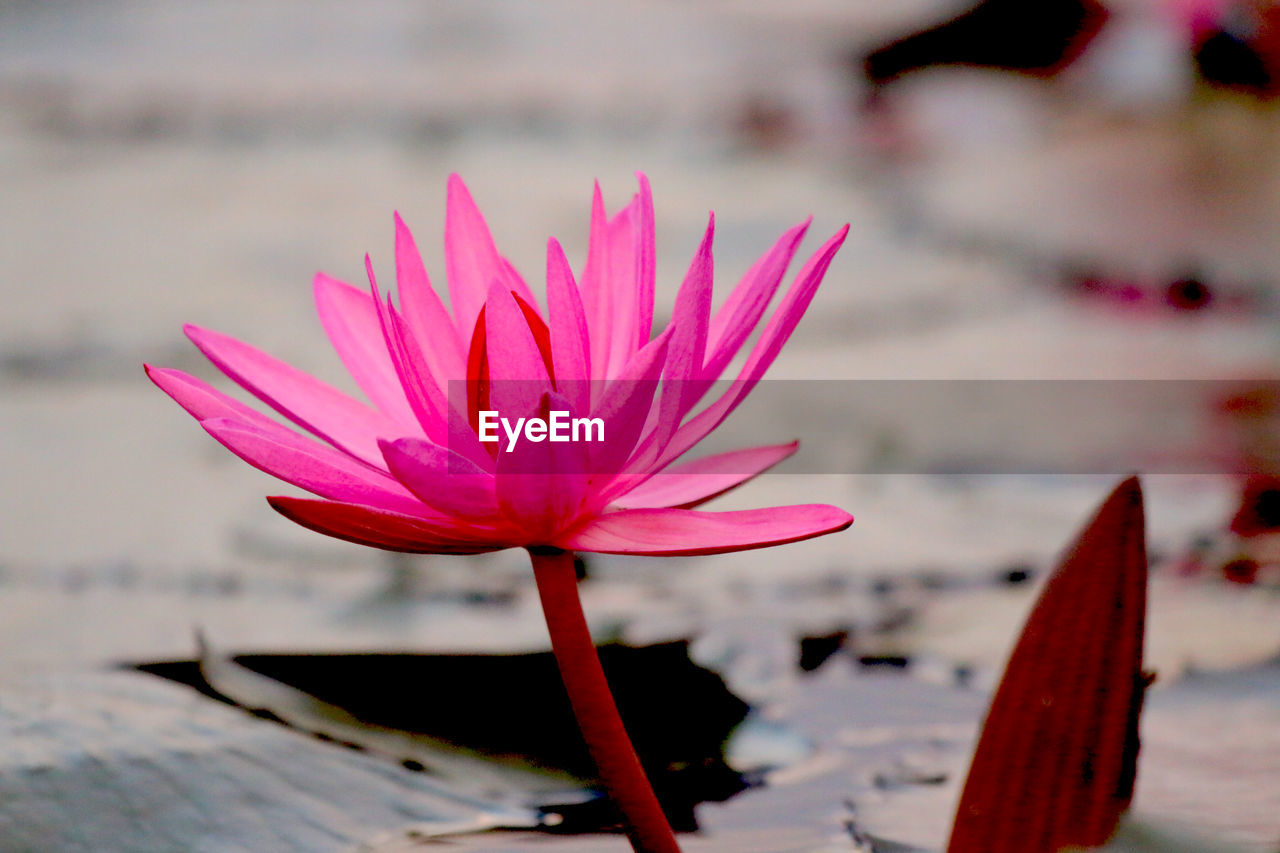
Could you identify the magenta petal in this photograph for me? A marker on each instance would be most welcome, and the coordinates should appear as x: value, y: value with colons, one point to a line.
x: 317, y: 468
x: 592, y: 291
x: 517, y: 372
x: 775, y: 335
x: 442, y: 479
x: 350, y: 318
x: 734, y: 322
x: 316, y: 406
x: 201, y: 400
x: 472, y: 262
x: 698, y: 481
x: 426, y: 399
x: 381, y: 529
x: 430, y: 323
x: 625, y: 405
x: 682, y: 374
x: 619, y: 281
x: 646, y: 263
x: 570, y: 343
x: 682, y: 532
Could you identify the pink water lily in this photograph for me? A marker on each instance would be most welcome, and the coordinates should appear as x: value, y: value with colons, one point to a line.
x: 410, y: 471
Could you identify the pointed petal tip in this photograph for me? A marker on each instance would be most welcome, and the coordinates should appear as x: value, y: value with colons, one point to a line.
x: 1122, y: 509
x: 1130, y: 486
x: 205, y: 338
x: 163, y: 377
x: 456, y: 190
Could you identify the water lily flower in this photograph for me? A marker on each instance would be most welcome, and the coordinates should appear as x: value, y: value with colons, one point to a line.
x: 409, y: 470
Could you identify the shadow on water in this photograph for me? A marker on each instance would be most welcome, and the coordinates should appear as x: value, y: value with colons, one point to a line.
x: 513, y: 707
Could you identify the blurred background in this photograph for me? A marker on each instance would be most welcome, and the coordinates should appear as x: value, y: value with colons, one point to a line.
x: 1083, y: 191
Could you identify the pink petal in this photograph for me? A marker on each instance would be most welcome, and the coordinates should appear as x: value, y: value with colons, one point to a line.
x: 570, y: 343
x: 646, y: 263
x: 682, y: 373
x: 737, y: 318
x: 317, y: 468
x: 350, y: 318
x: 426, y: 315
x: 698, y: 481
x: 202, y: 401
x: 517, y: 372
x: 625, y: 403
x: 680, y: 532
x: 433, y: 406
x: 472, y: 262
x: 381, y: 529
x: 775, y: 335
x: 619, y: 280
x: 442, y: 479
x: 316, y: 406
x: 596, y: 296
x: 426, y: 400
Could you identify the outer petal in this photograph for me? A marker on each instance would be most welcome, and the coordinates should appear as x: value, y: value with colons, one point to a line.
x: 316, y: 406
x: 646, y: 263
x: 431, y: 324
x: 682, y: 375
x: 618, y: 281
x: 570, y: 341
x: 382, y: 529
x: 625, y: 403
x: 317, y: 468
x: 472, y: 262
x: 678, y: 532
x: 653, y: 454
x: 698, y: 481
x: 202, y: 401
x: 630, y: 277
x: 442, y: 479
x: 737, y: 318
x: 422, y: 391
x: 772, y: 339
x: 597, y: 298
x: 350, y: 318
x: 281, y: 452
x: 430, y: 402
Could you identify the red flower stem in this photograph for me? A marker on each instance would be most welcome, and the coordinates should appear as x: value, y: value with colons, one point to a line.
x: 593, y: 705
